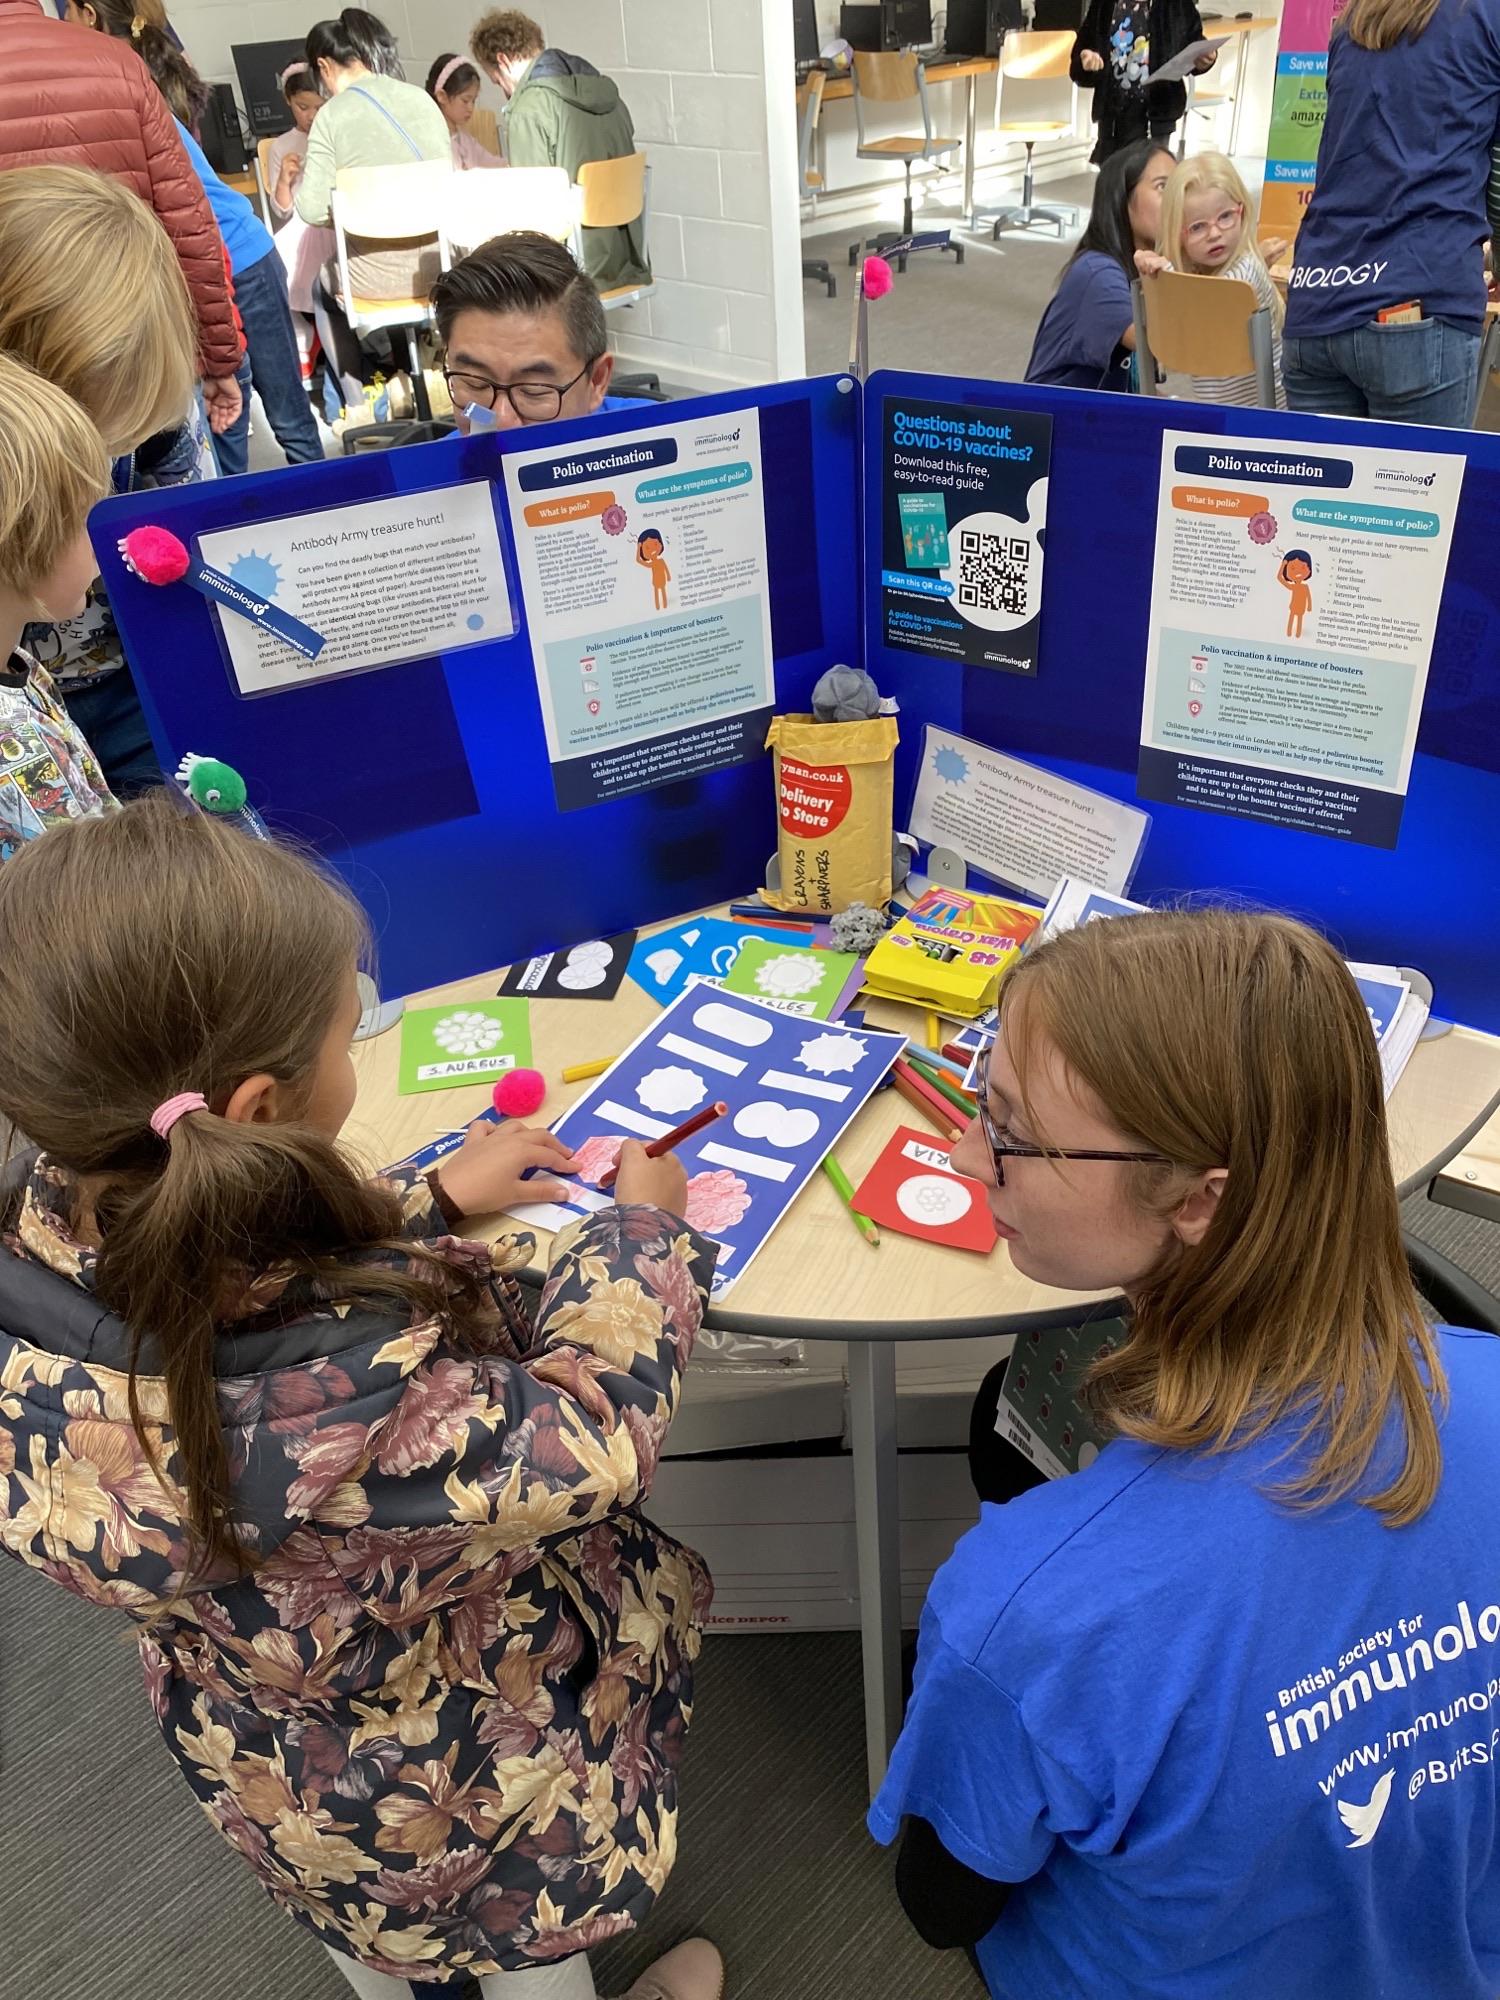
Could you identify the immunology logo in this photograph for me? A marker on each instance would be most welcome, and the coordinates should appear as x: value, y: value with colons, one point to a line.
x: 1389, y: 475
x: 708, y: 439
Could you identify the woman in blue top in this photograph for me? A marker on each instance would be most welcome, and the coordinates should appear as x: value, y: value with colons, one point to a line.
x: 1087, y: 336
x: 272, y: 362
x: 1397, y: 216
x: 1219, y: 1714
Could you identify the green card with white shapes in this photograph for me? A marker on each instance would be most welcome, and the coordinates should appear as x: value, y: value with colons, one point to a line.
x: 790, y: 978
x: 466, y: 1041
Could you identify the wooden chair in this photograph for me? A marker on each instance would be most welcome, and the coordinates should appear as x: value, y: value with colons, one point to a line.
x: 1028, y: 57
x: 613, y: 194
x: 809, y: 110
x: 884, y: 78
x: 479, y: 206
x: 486, y: 129
x: 396, y: 206
x: 1194, y: 325
x: 263, y: 180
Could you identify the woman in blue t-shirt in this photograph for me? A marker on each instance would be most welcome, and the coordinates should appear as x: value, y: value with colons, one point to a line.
x: 1216, y: 1715
x: 1397, y: 219
x: 1087, y: 335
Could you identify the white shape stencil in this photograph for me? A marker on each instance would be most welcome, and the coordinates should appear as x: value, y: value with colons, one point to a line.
x: 633, y: 1121
x: 730, y: 1025
x: 791, y: 975
x: 748, y: 1163
x: 579, y: 978
x: 671, y: 1089
x: 776, y: 1122
x: 662, y: 964
x: 933, y: 1199
x: 595, y: 952
x: 679, y: 1045
x: 831, y: 1055
x: 805, y: 1086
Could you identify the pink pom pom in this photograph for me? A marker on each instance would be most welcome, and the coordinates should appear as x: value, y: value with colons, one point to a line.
x: 876, y: 278
x: 519, y: 1092
x: 155, y: 554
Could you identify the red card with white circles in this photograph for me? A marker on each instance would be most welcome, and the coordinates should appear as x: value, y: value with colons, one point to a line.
x: 913, y: 1189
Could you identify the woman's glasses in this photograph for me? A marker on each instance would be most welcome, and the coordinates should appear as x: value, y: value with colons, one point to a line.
x: 533, y: 402
x: 1223, y: 222
x: 1002, y: 1150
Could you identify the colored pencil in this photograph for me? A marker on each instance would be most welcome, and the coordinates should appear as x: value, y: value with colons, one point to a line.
x: 673, y: 1138
x: 845, y: 1189
x: 580, y: 1072
x: 959, y: 1099
x: 934, y: 1030
x: 774, y: 923
x: 940, y: 1059
x: 933, y: 1108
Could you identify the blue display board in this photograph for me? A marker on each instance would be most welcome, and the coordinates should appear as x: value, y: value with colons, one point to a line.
x: 1433, y: 900
x: 427, y: 784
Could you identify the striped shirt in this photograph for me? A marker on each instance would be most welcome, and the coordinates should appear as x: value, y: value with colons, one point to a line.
x: 1239, y: 389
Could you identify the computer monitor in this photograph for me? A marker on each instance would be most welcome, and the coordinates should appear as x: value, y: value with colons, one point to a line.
x: 905, y: 24
x: 258, y: 66
x: 805, y: 30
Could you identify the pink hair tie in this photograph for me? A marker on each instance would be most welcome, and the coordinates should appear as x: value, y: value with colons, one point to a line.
x: 456, y: 62
x: 167, y: 1113
x: 291, y: 70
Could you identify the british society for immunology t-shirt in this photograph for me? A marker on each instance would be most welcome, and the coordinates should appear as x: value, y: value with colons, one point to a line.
x: 1229, y: 1750
x: 1077, y: 345
x: 1398, y: 211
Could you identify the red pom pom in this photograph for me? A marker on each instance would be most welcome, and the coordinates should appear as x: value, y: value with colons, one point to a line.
x: 876, y: 278
x: 519, y: 1092
x: 155, y: 554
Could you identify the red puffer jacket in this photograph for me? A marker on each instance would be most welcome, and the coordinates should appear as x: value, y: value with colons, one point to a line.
x: 73, y: 98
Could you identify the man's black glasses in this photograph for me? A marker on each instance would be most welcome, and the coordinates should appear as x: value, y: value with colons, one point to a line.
x: 533, y: 402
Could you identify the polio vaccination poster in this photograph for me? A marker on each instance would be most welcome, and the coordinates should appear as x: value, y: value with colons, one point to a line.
x: 1293, y: 605
x: 965, y: 499
x: 643, y: 572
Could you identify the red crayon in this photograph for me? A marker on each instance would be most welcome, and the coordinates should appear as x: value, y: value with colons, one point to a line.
x: 673, y: 1138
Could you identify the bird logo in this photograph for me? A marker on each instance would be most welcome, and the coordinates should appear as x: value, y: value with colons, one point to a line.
x: 1364, y: 1821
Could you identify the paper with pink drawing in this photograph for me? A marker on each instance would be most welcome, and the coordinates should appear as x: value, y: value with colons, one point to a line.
x: 792, y: 1086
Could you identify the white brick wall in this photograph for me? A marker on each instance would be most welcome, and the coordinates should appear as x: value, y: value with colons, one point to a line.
x: 725, y: 246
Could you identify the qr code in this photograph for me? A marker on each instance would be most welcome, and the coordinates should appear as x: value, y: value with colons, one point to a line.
x: 992, y: 571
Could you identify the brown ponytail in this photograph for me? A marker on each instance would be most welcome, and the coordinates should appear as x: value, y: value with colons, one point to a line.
x: 152, y: 952
x: 143, y: 23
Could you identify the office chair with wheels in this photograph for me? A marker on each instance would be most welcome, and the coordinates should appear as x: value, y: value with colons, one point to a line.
x: 1031, y: 56
x: 895, y: 79
x: 396, y: 208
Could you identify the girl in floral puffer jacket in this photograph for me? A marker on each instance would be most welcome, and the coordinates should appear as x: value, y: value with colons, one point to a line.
x: 416, y: 1652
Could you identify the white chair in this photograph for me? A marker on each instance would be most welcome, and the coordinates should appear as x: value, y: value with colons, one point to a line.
x: 1031, y: 56
x: 613, y: 194
x: 393, y: 208
x: 479, y: 206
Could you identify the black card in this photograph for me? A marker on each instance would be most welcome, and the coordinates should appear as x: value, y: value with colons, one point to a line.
x: 591, y: 971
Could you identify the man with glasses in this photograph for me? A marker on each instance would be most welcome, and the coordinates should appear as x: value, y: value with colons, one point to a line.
x: 523, y: 334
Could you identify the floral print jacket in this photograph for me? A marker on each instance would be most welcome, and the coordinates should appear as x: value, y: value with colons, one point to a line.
x: 442, y: 1717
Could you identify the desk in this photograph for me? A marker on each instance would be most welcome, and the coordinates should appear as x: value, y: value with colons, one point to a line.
x: 817, y: 1279
x: 945, y: 69
x: 243, y: 183
x: 1471, y: 1180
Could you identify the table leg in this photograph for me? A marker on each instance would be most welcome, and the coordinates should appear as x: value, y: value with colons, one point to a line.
x: 969, y: 105
x: 877, y: 1527
x: 1239, y: 93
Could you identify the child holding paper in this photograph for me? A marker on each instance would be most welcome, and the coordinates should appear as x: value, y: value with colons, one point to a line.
x: 1208, y: 227
x: 414, y: 1649
x: 1119, y: 46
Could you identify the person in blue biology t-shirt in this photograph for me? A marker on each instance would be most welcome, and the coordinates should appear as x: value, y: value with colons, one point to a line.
x: 1218, y: 1715
x: 523, y: 334
x: 1086, y: 339
x: 1398, y: 215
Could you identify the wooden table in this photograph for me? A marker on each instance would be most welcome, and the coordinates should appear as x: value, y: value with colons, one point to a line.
x: 817, y: 1279
x: 944, y: 69
x: 1471, y: 1181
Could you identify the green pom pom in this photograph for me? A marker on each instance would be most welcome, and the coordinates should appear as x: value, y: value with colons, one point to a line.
x: 216, y: 787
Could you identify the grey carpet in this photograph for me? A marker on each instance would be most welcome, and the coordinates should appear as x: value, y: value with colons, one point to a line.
x: 114, y: 1887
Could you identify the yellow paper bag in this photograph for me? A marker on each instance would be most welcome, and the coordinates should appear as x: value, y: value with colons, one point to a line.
x: 833, y: 812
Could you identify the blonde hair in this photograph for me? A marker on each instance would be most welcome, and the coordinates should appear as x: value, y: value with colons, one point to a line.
x: 1208, y: 173
x: 53, y: 468
x: 1380, y: 24
x: 93, y: 298
x: 1297, y: 1307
